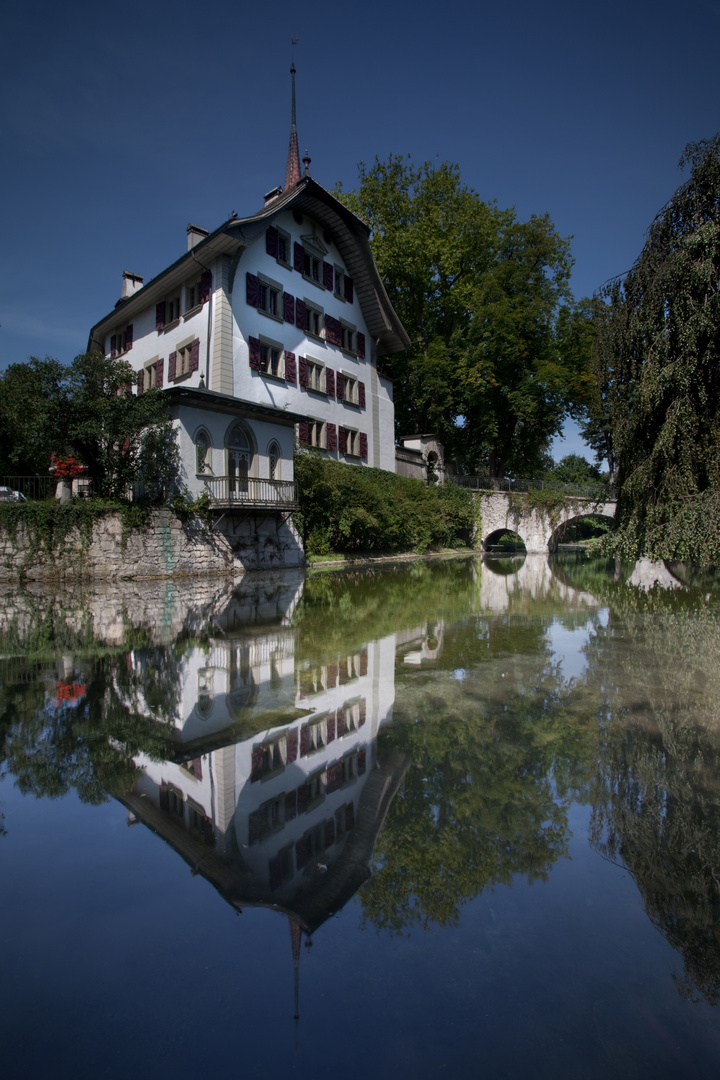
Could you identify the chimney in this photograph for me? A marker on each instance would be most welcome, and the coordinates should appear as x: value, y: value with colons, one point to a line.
x: 195, y: 234
x: 131, y: 284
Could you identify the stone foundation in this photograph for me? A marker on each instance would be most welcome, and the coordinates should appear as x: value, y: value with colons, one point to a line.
x: 166, y: 547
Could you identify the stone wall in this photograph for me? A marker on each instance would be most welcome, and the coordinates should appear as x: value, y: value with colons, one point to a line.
x: 166, y: 547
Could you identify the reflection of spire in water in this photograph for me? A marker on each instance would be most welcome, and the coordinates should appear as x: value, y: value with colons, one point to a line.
x: 296, y: 939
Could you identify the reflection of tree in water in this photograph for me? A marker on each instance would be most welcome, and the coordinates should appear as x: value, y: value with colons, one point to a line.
x: 53, y: 743
x: 497, y: 754
x: 657, y: 790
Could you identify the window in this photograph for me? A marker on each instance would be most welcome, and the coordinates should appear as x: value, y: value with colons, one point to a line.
x: 121, y: 341
x: 184, y: 355
x: 352, y: 442
x: 348, y: 337
x: 150, y: 374
x: 270, y: 297
x: 316, y: 376
x: 339, y: 283
x: 315, y: 323
x: 277, y: 244
x: 269, y: 818
x: 317, y: 434
x: 167, y: 312
x: 239, y: 461
x: 350, y: 389
x: 197, y: 292
x: 271, y: 358
x: 274, y: 461
x: 192, y: 296
x: 202, y: 453
x: 268, y: 759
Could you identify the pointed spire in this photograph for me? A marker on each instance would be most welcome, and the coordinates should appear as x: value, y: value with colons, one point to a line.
x: 292, y: 173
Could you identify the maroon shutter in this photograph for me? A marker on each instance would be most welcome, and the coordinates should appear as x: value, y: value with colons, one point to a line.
x: 349, y: 816
x: 288, y: 308
x: 290, y: 805
x: 349, y: 289
x: 333, y: 331
x: 328, y: 274
x: 159, y: 370
x: 299, y: 258
x: 331, y: 437
x: 362, y: 760
x: 361, y: 395
x: 363, y: 444
x: 334, y: 778
x: 361, y: 346
x: 255, y: 360
x: 172, y: 363
x: 329, y: 382
x: 302, y: 851
x: 256, y: 766
x: 129, y: 337
x: 332, y: 674
x: 303, y: 431
x: 140, y: 382
x: 292, y: 746
x: 300, y: 314
x: 205, y: 286
x: 160, y: 315
x: 195, y: 355
x: 331, y: 719
x: 363, y: 713
x: 113, y: 345
x: 271, y: 242
x: 290, y: 368
x: 252, y: 289
x: 363, y: 662
x: 342, y: 440
x: 340, y: 724
x: 164, y: 797
x: 303, y: 798
x: 302, y: 370
x: 329, y: 832
x: 340, y: 386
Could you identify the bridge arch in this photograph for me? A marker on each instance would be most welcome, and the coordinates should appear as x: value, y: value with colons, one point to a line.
x: 535, y: 524
x: 560, y: 530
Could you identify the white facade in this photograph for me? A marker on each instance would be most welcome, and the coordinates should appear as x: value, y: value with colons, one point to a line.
x: 279, y: 319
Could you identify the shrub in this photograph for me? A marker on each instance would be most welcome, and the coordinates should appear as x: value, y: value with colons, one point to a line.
x: 345, y: 508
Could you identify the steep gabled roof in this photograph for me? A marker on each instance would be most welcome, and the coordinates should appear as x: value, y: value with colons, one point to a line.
x: 349, y: 233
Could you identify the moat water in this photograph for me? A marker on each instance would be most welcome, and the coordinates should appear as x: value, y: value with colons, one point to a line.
x: 455, y: 818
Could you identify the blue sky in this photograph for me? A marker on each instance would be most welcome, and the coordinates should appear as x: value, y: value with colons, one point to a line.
x: 122, y: 123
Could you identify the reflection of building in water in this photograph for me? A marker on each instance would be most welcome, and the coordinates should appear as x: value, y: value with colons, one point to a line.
x: 275, y: 792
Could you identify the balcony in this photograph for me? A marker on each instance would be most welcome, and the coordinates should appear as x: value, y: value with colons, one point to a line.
x: 249, y: 492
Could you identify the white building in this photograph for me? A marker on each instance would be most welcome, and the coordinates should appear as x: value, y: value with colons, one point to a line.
x: 269, y: 326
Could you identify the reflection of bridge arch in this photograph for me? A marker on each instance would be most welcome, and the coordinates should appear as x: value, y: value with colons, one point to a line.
x: 537, y: 525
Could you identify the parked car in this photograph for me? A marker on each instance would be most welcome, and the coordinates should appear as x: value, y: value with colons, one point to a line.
x: 8, y: 495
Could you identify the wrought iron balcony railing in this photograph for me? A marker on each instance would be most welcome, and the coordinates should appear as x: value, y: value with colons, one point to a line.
x: 250, y: 491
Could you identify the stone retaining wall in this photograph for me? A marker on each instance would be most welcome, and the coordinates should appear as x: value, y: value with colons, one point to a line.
x: 166, y: 547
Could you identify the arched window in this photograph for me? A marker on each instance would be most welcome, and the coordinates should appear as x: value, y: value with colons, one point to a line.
x: 239, y: 460
x: 274, y: 461
x: 202, y: 452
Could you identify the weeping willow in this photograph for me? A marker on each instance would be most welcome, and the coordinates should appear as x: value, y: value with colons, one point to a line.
x: 657, y: 346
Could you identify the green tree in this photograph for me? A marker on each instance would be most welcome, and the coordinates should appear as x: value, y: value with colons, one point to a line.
x: 660, y: 338
x: 498, y: 349
x: 33, y: 404
x: 87, y: 409
x: 574, y: 469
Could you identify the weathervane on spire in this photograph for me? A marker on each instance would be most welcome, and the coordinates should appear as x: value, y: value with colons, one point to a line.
x: 292, y: 173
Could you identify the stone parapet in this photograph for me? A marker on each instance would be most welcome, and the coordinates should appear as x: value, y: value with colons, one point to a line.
x: 165, y: 547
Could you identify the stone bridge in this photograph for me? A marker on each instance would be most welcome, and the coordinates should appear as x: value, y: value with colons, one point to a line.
x: 539, y: 527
